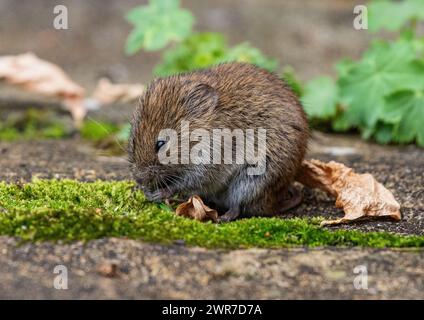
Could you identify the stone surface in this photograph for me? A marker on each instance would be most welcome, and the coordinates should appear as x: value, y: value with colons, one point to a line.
x: 119, y: 268
x: 148, y: 271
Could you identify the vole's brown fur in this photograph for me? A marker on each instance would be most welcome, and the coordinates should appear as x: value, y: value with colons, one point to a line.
x: 232, y: 95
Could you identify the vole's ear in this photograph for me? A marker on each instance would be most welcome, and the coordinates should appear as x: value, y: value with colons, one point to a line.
x: 201, y: 99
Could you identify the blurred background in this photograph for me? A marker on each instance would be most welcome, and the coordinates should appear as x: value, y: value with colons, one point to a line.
x: 357, y: 67
x: 308, y: 35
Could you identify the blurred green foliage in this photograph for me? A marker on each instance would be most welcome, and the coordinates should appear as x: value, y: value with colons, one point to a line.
x: 36, y: 124
x: 381, y: 94
x: 163, y: 22
x: 31, y: 124
x: 156, y: 24
x: 95, y: 131
x: 394, y: 15
x: 201, y: 50
x: 289, y: 76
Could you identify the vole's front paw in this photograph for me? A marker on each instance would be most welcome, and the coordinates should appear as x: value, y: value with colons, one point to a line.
x: 157, y: 195
x: 228, y: 216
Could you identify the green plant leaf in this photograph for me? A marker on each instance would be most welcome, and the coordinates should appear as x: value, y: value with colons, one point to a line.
x: 406, y: 110
x: 289, y: 76
x: 383, y: 132
x: 418, y: 44
x: 201, y: 50
x: 197, y: 51
x: 393, y: 15
x: 156, y: 24
x: 244, y: 52
x: 320, y: 98
x: 344, y: 66
x: 385, y: 68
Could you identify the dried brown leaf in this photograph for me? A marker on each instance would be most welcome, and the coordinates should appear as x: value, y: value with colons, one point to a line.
x: 359, y: 195
x: 42, y: 77
x: 107, y: 92
x: 195, y: 208
x: 77, y: 109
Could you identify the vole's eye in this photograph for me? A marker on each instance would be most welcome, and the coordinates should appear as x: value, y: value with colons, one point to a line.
x: 159, y: 144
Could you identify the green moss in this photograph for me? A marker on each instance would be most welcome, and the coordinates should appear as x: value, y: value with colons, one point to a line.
x: 38, y: 124
x: 42, y: 124
x: 104, y: 136
x: 8, y: 134
x: 71, y: 210
x: 97, y: 131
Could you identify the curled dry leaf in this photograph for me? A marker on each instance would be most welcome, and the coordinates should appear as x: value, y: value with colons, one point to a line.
x: 42, y: 77
x: 195, y: 208
x: 39, y: 76
x: 77, y: 108
x: 359, y: 195
x: 107, y: 92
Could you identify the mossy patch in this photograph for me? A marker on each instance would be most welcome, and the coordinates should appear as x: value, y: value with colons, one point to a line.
x: 32, y: 124
x: 44, y: 124
x: 108, y: 137
x: 70, y: 210
x: 97, y: 131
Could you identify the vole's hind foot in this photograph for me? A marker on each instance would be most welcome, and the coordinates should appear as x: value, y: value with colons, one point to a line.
x: 293, y: 199
x: 228, y: 216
